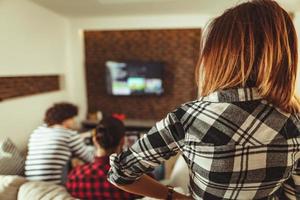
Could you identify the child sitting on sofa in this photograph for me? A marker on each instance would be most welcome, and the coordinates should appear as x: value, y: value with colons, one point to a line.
x: 89, y: 181
x: 52, y: 145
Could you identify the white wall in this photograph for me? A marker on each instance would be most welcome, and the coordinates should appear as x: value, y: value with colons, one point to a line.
x: 33, y: 42
x: 77, y: 83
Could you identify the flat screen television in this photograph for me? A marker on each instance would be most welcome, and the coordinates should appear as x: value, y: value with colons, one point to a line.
x: 134, y: 78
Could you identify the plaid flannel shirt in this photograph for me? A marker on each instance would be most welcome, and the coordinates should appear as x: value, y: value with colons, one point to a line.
x: 89, y: 181
x: 236, y: 145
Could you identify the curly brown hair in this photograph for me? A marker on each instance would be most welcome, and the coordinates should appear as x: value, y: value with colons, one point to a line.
x: 60, y: 112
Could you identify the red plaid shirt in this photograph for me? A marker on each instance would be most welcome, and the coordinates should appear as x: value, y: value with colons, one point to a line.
x: 89, y: 181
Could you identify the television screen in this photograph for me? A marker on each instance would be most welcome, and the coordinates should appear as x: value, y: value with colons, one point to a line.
x: 134, y: 78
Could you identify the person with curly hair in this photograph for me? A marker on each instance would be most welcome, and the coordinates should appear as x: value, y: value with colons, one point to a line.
x: 52, y: 145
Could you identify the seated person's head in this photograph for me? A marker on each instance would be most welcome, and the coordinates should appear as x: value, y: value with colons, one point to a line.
x: 109, y: 135
x: 62, y: 114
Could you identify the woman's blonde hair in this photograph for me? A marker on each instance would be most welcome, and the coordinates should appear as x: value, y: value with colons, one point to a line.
x: 251, y: 45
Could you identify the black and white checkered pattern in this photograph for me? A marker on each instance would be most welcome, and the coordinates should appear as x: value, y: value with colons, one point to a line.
x: 237, y: 146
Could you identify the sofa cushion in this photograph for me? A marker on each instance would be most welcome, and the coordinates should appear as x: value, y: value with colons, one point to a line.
x: 9, y: 186
x: 11, y: 160
x: 35, y: 190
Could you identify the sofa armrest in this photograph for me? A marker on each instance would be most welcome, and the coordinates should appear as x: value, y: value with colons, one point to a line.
x: 9, y: 186
x: 35, y: 190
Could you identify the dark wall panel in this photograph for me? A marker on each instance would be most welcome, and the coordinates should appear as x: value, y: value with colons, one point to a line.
x: 178, y: 48
x: 11, y: 87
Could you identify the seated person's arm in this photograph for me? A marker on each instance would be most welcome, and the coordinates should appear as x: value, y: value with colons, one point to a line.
x: 80, y: 149
x: 128, y: 169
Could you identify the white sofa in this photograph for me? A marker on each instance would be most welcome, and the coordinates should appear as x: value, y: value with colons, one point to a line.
x: 13, y: 186
x: 17, y: 187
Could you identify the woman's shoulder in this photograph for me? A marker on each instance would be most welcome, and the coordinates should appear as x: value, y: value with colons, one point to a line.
x: 187, y: 105
x: 295, y: 118
x: 190, y: 108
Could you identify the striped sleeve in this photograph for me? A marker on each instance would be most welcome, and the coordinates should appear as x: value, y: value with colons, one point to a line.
x: 158, y: 145
x: 79, y: 149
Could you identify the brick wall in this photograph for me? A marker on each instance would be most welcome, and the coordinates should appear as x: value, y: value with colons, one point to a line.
x: 179, y: 49
x: 11, y: 87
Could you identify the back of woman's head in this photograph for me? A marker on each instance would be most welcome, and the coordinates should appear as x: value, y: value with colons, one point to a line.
x: 251, y: 45
x: 109, y: 133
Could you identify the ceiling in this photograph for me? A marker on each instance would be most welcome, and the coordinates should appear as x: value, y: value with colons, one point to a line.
x: 93, y: 8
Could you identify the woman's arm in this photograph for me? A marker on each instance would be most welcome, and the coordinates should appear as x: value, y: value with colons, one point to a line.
x: 147, y: 186
x: 79, y: 149
x: 128, y: 169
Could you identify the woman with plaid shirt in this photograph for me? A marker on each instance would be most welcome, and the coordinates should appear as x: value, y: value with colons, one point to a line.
x: 241, y: 137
